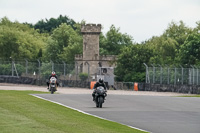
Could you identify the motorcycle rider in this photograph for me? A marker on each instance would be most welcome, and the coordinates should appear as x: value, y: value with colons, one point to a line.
x: 53, y: 74
x: 100, y: 83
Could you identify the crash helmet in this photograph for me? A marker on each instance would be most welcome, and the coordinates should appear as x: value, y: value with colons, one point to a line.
x: 100, y: 80
x: 53, y: 73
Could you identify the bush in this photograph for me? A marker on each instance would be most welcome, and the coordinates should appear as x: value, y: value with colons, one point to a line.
x: 83, y: 76
x: 20, y: 69
x: 6, y: 69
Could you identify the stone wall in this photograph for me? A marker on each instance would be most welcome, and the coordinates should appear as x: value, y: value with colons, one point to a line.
x: 107, y: 60
x: 42, y: 82
x: 104, y: 60
x: 18, y: 80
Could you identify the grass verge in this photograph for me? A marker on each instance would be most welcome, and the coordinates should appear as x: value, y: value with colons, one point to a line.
x: 23, y: 113
x: 191, y: 96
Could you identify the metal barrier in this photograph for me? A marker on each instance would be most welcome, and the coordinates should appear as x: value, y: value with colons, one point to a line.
x: 38, y: 69
x: 37, y: 73
x: 157, y: 74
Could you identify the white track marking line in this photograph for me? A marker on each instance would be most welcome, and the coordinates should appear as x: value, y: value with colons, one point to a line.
x: 87, y: 113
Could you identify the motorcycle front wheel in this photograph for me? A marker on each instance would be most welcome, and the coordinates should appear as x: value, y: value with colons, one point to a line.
x: 52, y: 90
x: 97, y: 102
x: 100, y: 102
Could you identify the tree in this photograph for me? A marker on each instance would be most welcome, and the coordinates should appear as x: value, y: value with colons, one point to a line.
x: 197, y: 29
x: 69, y: 52
x: 163, y: 50
x: 178, y: 32
x: 190, y: 50
x: 130, y: 63
x: 49, y: 25
x: 19, y: 41
x: 114, y: 41
x: 51, y: 51
x: 63, y: 44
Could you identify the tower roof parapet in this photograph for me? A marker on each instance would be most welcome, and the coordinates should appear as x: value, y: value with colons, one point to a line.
x: 78, y: 57
x: 91, y: 28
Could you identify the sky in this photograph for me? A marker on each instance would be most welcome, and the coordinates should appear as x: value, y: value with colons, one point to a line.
x: 141, y: 19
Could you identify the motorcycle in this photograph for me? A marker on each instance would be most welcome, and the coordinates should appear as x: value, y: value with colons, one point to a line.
x: 53, y: 85
x: 100, y: 96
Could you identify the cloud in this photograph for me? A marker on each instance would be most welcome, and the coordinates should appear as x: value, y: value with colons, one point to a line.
x: 141, y: 19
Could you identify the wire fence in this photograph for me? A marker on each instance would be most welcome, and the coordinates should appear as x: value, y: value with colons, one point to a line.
x: 173, y: 75
x: 38, y: 69
x: 37, y: 73
x: 69, y: 73
x: 174, y: 79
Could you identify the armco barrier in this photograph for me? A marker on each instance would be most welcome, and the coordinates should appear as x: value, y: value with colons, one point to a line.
x: 190, y: 89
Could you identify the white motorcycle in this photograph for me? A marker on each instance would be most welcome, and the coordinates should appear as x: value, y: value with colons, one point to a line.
x: 53, y: 85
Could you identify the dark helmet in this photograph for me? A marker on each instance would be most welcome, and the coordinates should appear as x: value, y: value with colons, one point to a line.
x: 100, y: 80
x: 53, y: 73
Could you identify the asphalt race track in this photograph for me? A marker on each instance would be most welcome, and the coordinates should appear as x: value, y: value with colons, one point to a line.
x: 156, y: 114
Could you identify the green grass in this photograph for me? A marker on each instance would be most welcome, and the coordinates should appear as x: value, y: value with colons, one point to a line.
x: 23, y: 113
x: 191, y: 96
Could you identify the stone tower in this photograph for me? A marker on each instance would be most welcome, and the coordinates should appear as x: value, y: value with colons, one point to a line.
x: 90, y: 60
x: 91, y: 34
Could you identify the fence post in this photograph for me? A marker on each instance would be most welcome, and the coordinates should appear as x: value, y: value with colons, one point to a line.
x: 52, y: 64
x: 26, y: 67
x: 39, y: 70
x: 12, y: 68
x: 153, y: 73
x: 192, y: 74
x: 147, y: 73
x: 64, y: 74
x: 197, y: 75
x: 181, y: 75
x: 64, y: 68
x: 175, y: 75
x: 167, y: 74
x: 76, y: 66
x: 196, y: 68
x: 160, y: 74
